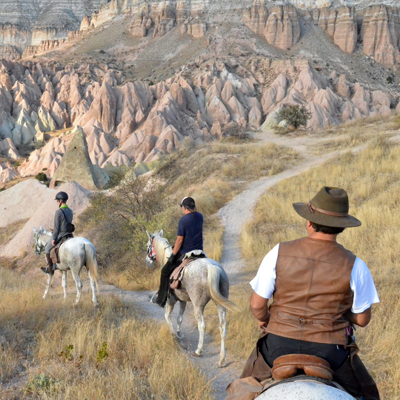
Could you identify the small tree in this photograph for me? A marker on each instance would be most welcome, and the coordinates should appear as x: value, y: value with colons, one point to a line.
x: 294, y: 115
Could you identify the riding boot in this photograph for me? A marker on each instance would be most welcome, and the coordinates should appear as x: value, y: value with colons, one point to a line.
x: 167, y: 270
x: 49, y: 265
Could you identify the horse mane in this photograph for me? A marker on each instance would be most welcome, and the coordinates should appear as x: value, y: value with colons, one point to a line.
x: 163, y: 248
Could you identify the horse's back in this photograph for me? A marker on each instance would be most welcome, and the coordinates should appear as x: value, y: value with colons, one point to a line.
x: 303, y: 390
x: 198, y: 268
x: 77, y: 242
x: 196, y: 275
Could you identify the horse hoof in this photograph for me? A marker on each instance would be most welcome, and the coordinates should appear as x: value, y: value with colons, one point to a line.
x: 221, y: 364
x: 196, y: 354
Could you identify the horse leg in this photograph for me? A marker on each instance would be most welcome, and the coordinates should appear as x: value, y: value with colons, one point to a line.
x: 198, y: 312
x: 78, y: 283
x: 222, y: 330
x: 48, y: 284
x: 64, y: 283
x: 169, y: 306
x: 182, y: 307
x: 93, y: 286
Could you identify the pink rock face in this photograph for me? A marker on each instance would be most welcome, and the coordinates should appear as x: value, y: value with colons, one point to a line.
x: 7, y: 172
x: 103, y: 108
x: 280, y: 25
x: 345, y: 35
x: 340, y: 24
x: 380, y: 33
x: 282, y: 28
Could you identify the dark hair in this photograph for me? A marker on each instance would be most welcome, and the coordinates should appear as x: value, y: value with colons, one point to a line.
x: 329, y: 230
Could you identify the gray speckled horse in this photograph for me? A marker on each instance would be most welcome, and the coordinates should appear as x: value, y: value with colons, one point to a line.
x: 75, y: 253
x: 203, y: 280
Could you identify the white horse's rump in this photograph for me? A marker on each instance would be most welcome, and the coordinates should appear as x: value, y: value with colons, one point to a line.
x: 304, y: 389
x: 75, y: 253
x: 203, y: 280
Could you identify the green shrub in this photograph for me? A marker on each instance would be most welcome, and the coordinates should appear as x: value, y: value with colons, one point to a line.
x: 41, y: 176
x: 294, y: 115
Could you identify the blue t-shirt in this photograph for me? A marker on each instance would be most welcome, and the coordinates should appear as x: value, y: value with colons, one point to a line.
x: 191, y: 228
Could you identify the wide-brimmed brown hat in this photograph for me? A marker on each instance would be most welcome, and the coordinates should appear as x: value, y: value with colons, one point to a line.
x: 329, y: 207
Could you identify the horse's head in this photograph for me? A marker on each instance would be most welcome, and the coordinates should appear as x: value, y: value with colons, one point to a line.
x: 40, y: 238
x: 151, y: 255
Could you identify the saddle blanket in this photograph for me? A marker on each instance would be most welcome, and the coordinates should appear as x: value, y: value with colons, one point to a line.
x: 177, y: 274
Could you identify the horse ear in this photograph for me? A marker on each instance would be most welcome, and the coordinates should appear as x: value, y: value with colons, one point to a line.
x: 161, y: 232
x: 34, y: 230
x: 148, y: 234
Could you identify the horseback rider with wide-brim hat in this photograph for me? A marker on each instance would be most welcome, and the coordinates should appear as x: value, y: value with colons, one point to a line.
x: 320, y: 290
x: 62, y: 218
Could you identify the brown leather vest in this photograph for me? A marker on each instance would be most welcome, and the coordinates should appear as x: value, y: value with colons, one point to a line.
x: 312, y: 291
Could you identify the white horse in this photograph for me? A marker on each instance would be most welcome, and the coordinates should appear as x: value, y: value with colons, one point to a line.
x: 305, y: 388
x: 204, y: 279
x: 74, y: 254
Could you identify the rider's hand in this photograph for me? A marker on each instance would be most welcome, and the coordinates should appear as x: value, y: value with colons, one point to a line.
x: 51, y: 230
x: 53, y: 242
x: 262, y: 325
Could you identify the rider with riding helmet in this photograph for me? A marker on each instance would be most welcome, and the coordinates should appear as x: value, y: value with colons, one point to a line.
x: 320, y: 291
x: 189, y: 238
x: 62, y: 218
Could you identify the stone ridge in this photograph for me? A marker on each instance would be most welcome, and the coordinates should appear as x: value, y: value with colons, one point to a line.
x: 27, y: 22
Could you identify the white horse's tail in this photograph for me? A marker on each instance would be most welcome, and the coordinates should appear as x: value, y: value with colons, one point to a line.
x: 91, y: 262
x: 213, y: 279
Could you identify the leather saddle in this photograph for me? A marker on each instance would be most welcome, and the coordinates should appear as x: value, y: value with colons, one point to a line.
x: 54, y: 252
x: 292, y: 364
x: 177, y: 274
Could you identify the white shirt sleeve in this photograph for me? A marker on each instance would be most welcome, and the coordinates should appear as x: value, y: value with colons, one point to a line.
x: 264, y: 282
x: 363, y: 287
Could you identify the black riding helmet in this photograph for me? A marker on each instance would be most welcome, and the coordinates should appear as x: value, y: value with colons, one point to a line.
x: 61, y: 196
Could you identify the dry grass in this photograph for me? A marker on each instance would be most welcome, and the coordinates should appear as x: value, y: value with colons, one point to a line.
x: 56, y: 351
x: 356, y: 133
x: 372, y: 179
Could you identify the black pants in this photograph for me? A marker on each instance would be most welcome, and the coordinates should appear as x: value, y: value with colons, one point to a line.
x: 273, y: 346
x: 164, y: 280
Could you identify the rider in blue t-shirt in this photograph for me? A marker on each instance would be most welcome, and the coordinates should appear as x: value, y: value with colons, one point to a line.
x: 189, y: 237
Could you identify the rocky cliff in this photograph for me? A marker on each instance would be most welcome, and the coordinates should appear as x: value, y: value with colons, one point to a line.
x: 371, y: 26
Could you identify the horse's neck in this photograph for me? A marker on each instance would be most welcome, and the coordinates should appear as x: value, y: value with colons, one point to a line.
x: 163, y: 251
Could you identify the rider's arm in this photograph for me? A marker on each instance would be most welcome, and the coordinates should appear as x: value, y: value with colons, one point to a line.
x: 178, y: 244
x: 259, y: 307
x: 360, y: 319
x: 57, y: 225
